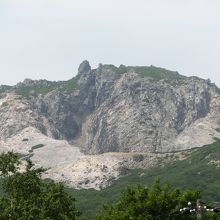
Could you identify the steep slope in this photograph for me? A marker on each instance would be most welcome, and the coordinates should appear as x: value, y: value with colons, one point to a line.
x: 144, y: 115
x: 136, y: 110
x: 124, y: 109
x: 133, y: 112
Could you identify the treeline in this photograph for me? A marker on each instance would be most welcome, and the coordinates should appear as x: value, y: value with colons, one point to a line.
x: 26, y: 196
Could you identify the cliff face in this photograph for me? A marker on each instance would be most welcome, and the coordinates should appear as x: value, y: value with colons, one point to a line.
x: 143, y: 115
x: 125, y: 109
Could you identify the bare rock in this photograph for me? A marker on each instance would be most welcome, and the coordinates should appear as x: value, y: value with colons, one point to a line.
x: 84, y: 67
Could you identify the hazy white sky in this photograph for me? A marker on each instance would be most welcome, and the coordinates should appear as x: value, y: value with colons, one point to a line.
x: 49, y: 38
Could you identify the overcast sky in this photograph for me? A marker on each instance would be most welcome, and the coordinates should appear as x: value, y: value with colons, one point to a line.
x: 48, y: 39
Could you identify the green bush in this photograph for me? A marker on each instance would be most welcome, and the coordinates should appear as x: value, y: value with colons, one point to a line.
x: 157, y: 202
x: 26, y: 197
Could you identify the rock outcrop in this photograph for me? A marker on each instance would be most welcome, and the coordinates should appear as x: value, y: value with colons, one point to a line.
x: 110, y: 109
x: 135, y: 112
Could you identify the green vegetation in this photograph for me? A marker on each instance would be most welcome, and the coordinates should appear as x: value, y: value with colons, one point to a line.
x: 4, y: 88
x: 155, y: 202
x: 27, y: 91
x: 196, y: 172
x: 26, y: 197
x: 151, y: 71
x: 71, y: 84
x: 157, y: 73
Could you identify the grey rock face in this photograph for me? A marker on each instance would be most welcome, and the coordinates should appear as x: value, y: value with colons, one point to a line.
x: 142, y: 115
x: 120, y: 112
x: 84, y: 67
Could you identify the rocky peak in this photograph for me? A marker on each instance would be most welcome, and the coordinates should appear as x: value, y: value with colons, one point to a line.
x: 126, y: 109
x: 84, y: 67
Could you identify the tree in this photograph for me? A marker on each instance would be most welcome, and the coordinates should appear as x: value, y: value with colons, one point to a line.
x: 155, y: 203
x: 26, y: 196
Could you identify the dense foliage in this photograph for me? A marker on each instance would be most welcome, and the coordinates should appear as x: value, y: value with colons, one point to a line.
x: 155, y: 203
x: 26, y: 196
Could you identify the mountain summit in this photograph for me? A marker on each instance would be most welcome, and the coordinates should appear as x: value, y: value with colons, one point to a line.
x: 125, y: 109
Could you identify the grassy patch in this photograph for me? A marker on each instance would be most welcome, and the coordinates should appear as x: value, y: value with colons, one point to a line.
x: 71, y: 84
x: 151, y: 71
x: 158, y: 73
x: 27, y: 91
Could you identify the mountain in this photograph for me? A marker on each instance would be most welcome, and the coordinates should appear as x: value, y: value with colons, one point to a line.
x: 138, y: 113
